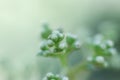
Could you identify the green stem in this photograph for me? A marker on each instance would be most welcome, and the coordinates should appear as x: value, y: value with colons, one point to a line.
x: 64, y: 63
x: 75, y: 70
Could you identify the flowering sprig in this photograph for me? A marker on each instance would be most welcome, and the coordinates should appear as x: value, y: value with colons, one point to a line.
x: 100, y: 54
x: 56, y: 43
x: 103, y: 50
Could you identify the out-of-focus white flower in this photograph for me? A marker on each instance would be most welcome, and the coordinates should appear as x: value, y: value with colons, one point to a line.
x: 100, y: 59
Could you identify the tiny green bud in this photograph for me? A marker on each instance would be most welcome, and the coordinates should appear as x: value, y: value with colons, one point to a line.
x: 53, y: 37
x: 57, y: 50
x: 70, y: 39
x: 56, y: 36
x: 43, y: 45
x: 46, y: 31
x: 50, y: 43
x: 61, y: 36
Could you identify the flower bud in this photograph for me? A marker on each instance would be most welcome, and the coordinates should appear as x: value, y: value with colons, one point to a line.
x: 56, y: 36
x: 53, y: 37
x: 43, y: 46
x: 50, y: 43
x: 61, y: 36
x: 70, y: 39
x: 62, y: 46
x: 46, y: 31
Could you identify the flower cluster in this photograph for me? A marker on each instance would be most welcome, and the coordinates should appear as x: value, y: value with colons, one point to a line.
x: 97, y: 61
x: 56, y: 43
x: 51, y: 76
x: 103, y: 51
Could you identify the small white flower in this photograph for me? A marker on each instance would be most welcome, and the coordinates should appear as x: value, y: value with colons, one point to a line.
x: 61, y: 35
x: 49, y: 74
x: 110, y: 43
x: 50, y: 43
x: 65, y: 78
x: 53, y: 36
x: 100, y: 59
x: 62, y: 45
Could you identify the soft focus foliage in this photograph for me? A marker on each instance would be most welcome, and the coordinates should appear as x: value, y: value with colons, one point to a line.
x: 20, y: 22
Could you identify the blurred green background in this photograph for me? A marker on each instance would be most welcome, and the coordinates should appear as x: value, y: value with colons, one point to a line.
x: 20, y: 26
